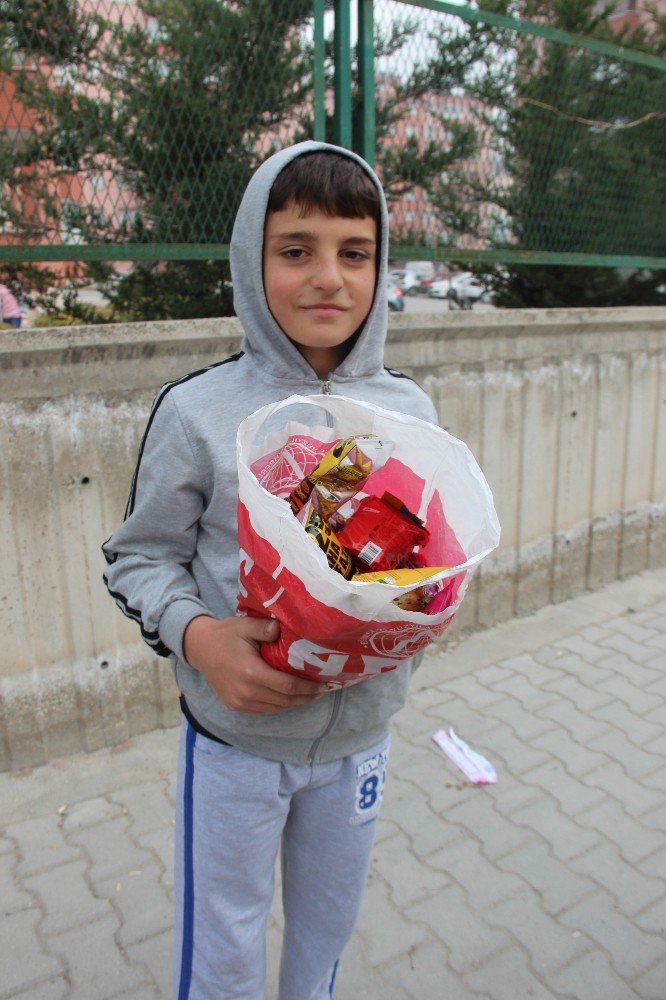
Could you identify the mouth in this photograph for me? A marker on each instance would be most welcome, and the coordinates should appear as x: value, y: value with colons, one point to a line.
x: 324, y: 309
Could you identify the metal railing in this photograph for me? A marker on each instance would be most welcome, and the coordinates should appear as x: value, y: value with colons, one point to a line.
x: 501, y: 138
x: 128, y: 130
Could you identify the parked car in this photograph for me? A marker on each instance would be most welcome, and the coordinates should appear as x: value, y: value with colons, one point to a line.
x: 466, y: 287
x: 428, y: 280
x: 462, y: 288
x: 407, y: 281
x: 396, y: 302
x: 440, y: 289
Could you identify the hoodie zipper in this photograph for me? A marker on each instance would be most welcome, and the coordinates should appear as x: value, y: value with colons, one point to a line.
x: 335, y: 711
x: 337, y: 697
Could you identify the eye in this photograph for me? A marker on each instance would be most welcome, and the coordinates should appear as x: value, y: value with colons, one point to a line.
x: 293, y: 253
x: 355, y: 256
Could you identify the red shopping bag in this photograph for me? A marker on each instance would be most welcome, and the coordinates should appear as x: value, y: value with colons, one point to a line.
x: 333, y: 629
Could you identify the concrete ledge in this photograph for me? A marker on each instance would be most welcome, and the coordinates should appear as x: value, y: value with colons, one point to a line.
x: 84, y: 705
x: 88, y: 704
x: 565, y: 411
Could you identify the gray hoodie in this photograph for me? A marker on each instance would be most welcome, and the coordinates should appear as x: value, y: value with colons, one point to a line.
x: 176, y: 556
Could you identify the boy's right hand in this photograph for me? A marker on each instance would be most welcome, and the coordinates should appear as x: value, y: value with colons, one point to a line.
x: 226, y: 652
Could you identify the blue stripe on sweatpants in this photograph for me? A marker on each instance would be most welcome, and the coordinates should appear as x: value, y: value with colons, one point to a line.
x: 188, y: 866
x: 332, y: 982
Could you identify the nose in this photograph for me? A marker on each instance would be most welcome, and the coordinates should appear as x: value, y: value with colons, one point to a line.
x: 328, y: 274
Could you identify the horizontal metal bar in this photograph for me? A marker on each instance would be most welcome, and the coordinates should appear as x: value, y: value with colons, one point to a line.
x: 220, y: 251
x: 474, y: 15
x: 16, y: 253
x: 526, y: 257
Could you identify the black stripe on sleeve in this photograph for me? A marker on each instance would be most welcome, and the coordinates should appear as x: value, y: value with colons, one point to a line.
x: 397, y: 374
x: 159, y: 399
x: 152, y: 638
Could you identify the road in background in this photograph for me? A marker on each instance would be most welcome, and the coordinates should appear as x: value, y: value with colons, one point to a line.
x: 425, y: 304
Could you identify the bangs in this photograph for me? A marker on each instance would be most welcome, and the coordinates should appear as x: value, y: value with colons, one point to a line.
x: 326, y: 182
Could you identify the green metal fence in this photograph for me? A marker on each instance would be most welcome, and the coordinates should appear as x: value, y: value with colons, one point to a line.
x: 519, y: 140
x: 128, y: 130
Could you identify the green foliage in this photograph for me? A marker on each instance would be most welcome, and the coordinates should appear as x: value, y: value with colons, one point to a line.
x: 56, y: 318
x: 581, y: 139
x: 181, y: 290
x: 550, y: 286
x: 169, y: 111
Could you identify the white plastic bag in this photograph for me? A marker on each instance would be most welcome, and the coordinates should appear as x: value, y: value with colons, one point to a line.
x: 333, y: 629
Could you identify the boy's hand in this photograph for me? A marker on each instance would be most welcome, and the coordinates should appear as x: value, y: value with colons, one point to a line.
x: 226, y: 652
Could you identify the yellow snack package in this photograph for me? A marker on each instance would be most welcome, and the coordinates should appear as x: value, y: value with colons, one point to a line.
x: 340, y: 474
x: 413, y: 600
x: 400, y: 577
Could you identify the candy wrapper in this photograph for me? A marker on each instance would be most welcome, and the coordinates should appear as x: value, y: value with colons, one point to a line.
x: 427, y: 589
x: 339, y: 475
x: 337, y: 557
x: 343, y: 630
x: 382, y: 533
x: 473, y: 764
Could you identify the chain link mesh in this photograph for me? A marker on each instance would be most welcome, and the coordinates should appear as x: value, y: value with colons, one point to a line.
x: 517, y: 142
x: 135, y: 122
x: 140, y: 123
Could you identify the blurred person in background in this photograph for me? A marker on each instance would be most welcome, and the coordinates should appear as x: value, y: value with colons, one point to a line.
x: 10, y: 310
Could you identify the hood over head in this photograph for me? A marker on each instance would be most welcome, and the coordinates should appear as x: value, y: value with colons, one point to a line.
x: 262, y: 335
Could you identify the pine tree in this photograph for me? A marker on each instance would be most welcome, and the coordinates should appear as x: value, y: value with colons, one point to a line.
x: 176, y: 105
x: 582, y: 138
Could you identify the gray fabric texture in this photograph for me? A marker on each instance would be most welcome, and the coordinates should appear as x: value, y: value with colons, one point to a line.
x: 244, y: 809
x: 176, y: 556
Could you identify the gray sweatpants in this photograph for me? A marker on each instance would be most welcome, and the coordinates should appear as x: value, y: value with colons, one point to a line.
x: 233, y: 812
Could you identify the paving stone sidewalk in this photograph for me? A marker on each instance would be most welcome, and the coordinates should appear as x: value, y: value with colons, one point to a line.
x: 551, y: 883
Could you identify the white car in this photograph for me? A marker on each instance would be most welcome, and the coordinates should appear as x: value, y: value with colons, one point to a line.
x: 440, y: 289
x: 462, y: 287
x: 407, y: 281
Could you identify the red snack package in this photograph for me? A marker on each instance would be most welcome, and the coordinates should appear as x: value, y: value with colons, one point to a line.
x: 382, y: 533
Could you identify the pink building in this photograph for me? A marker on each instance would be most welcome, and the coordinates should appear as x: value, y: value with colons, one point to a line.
x: 46, y: 196
x: 632, y: 13
x: 433, y: 119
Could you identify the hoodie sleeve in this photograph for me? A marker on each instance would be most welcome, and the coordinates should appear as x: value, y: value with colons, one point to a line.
x: 149, y: 556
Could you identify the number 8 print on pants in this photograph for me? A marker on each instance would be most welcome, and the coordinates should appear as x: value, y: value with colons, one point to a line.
x: 370, y: 782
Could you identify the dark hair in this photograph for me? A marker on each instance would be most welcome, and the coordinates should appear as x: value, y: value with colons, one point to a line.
x: 330, y: 182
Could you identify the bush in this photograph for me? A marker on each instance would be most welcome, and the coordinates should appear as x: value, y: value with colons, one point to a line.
x: 56, y: 319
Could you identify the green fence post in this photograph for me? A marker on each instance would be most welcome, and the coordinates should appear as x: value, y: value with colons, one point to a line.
x: 318, y: 77
x: 342, y: 122
x: 366, y: 80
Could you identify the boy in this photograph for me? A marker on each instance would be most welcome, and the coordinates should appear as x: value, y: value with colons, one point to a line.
x: 265, y: 757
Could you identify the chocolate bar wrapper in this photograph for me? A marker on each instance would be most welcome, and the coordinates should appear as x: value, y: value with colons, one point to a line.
x: 338, y: 559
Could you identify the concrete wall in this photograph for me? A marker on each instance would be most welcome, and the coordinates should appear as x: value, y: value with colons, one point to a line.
x: 565, y: 411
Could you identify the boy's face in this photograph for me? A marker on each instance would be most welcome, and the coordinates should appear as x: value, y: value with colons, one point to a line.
x: 319, y: 279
